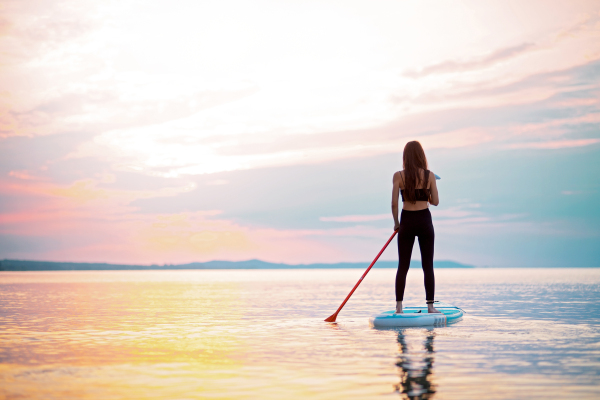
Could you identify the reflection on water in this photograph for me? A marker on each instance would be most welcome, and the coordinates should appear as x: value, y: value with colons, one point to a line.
x: 416, y: 369
x: 260, y: 335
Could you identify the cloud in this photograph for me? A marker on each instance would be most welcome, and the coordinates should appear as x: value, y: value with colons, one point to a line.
x: 556, y: 144
x: 22, y: 175
x: 478, y: 63
x: 97, y: 234
x: 356, y: 218
x: 99, y: 109
x: 587, y: 23
x: 576, y: 192
x: 541, y: 107
x: 95, y: 192
x: 85, y: 190
x: 193, y: 234
x: 217, y: 182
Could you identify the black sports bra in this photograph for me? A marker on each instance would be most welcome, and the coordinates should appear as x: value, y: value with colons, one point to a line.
x: 420, y: 194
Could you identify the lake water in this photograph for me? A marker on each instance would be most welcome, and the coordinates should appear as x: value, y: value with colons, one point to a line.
x: 259, y: 334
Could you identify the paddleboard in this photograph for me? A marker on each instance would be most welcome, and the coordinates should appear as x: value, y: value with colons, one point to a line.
x: 417, y: 316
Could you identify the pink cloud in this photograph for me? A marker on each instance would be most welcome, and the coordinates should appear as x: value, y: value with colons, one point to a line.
x: 25, y: 175
x: 83, y: 223
x: 492, y: 58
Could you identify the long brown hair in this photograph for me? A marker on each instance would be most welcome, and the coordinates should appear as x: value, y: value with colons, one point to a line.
x: 413, y: 160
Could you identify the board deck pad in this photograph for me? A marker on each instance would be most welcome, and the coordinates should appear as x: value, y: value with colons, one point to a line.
x: 418, y: 316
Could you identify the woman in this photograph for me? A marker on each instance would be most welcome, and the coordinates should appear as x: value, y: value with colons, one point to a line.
x: 416, y: 184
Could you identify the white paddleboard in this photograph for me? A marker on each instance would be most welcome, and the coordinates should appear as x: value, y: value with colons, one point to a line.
x: 417, y: 316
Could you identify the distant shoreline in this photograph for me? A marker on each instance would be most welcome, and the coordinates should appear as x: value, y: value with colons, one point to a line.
x: 25, y: 265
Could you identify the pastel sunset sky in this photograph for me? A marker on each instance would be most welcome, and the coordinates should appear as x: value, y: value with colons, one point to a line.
x: 170, y: 132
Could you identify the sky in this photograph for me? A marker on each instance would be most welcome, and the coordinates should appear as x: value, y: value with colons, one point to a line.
x: 170, y: 132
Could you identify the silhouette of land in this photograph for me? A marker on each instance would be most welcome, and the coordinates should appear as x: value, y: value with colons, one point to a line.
x: 24, y: 265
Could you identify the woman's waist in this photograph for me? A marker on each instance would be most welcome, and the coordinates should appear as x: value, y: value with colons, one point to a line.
x: 416, y: 206
x: 417, y: 216
x: 416, y: 212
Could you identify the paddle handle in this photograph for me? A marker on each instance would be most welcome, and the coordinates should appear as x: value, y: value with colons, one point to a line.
x: 334, y: 316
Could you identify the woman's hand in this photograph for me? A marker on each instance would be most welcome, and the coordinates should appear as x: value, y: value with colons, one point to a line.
x: 396, y: 225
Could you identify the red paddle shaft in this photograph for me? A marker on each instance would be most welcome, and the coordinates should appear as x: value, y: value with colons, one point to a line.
x: 334, y: 316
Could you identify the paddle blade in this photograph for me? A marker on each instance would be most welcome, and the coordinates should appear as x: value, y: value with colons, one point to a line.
x: 332, y: 318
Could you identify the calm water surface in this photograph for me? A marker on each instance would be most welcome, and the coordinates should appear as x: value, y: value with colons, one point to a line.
x: 242, y: 334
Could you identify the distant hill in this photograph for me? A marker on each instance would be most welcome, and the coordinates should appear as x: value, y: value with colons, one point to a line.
x: 23, y: 265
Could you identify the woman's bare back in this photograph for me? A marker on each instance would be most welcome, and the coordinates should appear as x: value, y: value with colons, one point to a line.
x: 399, y: 179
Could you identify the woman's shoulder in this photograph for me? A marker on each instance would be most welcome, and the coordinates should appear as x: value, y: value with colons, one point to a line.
x: 397, y: 176
x: 431, y: 177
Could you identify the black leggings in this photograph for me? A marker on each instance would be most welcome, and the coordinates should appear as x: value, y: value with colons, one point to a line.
x: 415, y: 223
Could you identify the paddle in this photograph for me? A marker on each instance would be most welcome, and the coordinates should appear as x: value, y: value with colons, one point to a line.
x: 334, y: 316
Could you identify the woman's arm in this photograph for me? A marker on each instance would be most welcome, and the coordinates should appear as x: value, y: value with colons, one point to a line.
x: 434, y: 198
x: 395, y: 194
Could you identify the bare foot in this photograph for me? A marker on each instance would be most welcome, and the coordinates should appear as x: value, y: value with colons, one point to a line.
x: 399, y: 307
x: 431, y: 309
